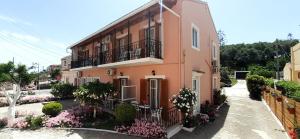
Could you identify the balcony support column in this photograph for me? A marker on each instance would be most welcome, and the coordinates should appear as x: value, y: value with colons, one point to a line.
x: 148, y: 33
x: 128, y: 38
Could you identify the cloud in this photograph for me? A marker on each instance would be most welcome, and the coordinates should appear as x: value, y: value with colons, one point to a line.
x: 14, y: 20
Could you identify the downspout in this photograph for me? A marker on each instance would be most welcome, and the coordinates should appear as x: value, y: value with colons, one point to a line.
x: 179, y: 34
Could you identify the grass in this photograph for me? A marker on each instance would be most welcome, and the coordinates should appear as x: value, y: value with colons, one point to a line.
x: 233, y: 81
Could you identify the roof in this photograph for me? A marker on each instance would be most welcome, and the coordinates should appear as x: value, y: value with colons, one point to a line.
x: 143, y: 7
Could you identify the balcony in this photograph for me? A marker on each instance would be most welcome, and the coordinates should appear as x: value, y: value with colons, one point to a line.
x: 142, y: 52
x: 89, y: 62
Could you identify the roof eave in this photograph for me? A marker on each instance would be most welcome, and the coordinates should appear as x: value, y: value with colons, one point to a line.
x: 132, y: 13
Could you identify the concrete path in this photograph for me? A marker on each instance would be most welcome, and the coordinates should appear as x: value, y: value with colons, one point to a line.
x: 242, y: 118
x: 59, y: 134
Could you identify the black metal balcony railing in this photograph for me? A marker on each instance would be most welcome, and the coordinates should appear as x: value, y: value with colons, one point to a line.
x: 84, y: 62
x: 136, y: 50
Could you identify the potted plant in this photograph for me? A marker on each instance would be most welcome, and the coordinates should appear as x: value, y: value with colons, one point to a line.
x: 279, y: 98
x: 189, y: 123
x: 291, y: 108
x: 184, y: 102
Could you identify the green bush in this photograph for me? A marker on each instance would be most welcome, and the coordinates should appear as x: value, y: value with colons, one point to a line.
x: 34, y: 122
x: 269, y: 82
x: 125, y: 113
x: 255, y: 85
x: 288, y: 88
x: 61, y: 90
x: 218, y: 97
x: 296, y: 96
x: 261, y: 71
x: 52, y: 109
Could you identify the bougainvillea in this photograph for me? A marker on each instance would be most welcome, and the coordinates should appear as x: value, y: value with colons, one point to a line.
x: 64, y: 119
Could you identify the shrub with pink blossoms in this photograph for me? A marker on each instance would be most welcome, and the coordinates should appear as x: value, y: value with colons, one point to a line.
x: 64, y: 119
x: 21, y: 123
x: 145, y: 129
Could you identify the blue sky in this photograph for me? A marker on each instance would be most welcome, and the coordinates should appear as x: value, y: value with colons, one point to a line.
x: 40, y: 31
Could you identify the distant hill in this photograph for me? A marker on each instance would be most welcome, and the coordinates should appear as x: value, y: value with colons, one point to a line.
x: 241, y: 56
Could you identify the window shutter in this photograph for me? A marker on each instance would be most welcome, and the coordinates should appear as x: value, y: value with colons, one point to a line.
x: 164, y: 98
x: 142, y: 42
x: 144, y: 91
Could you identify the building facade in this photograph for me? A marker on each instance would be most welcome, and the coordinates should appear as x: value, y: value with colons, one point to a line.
x: 295, y: 63
x: 153, y: 52
x: 68, y: 76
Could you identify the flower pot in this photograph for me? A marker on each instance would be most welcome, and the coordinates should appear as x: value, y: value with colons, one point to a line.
x: 191, y: 129
x: 291, y: 110
x: 279, y: 99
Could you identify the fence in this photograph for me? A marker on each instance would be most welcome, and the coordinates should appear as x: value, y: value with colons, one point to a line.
x: 286, y: 110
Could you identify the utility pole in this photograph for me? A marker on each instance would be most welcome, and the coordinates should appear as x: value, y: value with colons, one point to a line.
x: 277, y: 62
x: 37, y: 65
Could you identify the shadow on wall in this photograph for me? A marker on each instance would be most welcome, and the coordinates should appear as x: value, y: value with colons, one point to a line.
x: 206, y: 131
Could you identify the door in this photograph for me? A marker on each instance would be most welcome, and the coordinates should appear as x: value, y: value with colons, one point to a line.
x: 154, y: 94
x: 196, y: 89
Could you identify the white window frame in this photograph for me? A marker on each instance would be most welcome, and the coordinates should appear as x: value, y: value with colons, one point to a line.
x: 156, y: 93
x: 198, y: 101
x: 197, y: 46
x: 214, y: 51
x: 215, y: 80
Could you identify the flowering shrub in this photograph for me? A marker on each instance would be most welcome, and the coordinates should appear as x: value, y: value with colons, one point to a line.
x: 20, y: 123
x: 28, y: 100
x: 3, y: 122
x: 64, y: 119
x: 35, y: 99
x: 145, y: 129
x: 184, y: 101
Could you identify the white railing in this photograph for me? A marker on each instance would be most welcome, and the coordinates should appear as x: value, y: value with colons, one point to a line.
x: 128, y: 93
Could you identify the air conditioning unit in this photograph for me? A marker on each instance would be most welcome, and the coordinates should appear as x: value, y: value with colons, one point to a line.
x: 111, y: 72
x: 214, y: 63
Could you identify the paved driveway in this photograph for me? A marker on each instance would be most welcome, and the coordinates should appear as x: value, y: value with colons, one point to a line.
x: 242, y: 118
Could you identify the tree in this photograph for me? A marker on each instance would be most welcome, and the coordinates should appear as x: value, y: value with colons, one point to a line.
x: 55, y: 73
x: 290, y: 36
x: 221, y: 36
x: 19, y: 77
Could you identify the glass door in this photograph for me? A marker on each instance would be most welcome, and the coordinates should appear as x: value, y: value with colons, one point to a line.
x: 154, y: 94
x: 196, y: 89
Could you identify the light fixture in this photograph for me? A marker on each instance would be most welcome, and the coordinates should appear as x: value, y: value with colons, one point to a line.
x: 153, y: 72
x: 121, y: 73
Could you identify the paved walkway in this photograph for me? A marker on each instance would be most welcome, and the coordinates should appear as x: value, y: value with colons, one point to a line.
x: 242, y: 118
x: 59, y: 134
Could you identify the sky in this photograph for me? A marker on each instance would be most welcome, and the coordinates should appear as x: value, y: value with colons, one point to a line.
x: 40, y: 31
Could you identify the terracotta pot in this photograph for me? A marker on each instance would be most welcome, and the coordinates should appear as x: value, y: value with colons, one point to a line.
x: 279, y: 99
x: 291, y: 110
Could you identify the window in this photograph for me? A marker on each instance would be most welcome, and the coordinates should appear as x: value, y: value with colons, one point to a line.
x: 65, y: 63
x: 195, y: 37
x: 154, y: 93
x: 214, y: 51
x: 152, y: 33
x: 215, y: 83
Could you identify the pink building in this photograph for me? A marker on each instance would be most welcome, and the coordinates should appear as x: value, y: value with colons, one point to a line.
x: 153, y: 52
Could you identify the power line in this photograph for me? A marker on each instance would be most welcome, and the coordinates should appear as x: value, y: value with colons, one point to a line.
x: 22, y: 46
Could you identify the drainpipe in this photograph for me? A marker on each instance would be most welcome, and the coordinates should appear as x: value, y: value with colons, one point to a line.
x: 179, y: 34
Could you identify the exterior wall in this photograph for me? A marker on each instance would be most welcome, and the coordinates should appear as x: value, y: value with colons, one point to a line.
x: 295, y: 61
x: 197, y: 13
x: 179, y: 58
x: 69, y: 77
x: 66, y: 63
x: 287, y: 72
